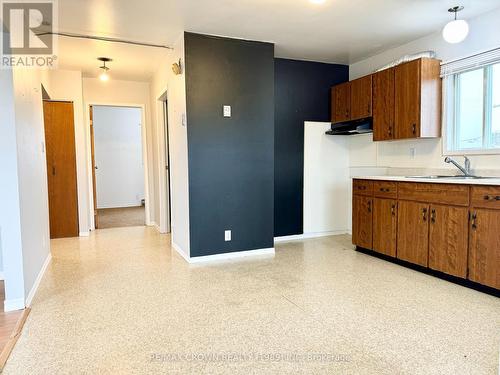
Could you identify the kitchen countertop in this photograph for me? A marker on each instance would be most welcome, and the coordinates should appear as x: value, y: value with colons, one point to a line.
x: 480, y: 181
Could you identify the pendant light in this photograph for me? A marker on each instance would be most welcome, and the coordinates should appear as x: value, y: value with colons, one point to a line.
x: 104, y: 76
x: 457, y: 30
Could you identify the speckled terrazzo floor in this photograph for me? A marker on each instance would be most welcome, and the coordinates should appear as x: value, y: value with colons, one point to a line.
x: 122, y: 302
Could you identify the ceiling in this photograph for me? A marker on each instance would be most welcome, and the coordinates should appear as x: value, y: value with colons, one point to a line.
x: 341, y: 31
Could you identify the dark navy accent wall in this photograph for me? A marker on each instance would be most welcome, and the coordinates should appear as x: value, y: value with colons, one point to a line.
x: 231, y: 160
x: 302, y: 93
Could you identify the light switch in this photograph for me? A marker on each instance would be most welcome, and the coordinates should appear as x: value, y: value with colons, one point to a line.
x: 227, y: 235
x: 227, y: 110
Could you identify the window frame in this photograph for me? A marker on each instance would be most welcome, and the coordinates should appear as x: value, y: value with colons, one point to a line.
x: 451, y: 126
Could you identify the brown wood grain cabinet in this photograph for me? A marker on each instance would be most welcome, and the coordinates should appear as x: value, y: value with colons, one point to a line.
x: 448, y: 239
x: 361, y: 98
x: 413, y: 232
x: 450, y: 228
x: 385, y: 213
x: 484, y: 246
x: 404, y: 101
x: 341, y: 102
x: 383, y: 105
x: 417, y: 87
x: 362, y: 223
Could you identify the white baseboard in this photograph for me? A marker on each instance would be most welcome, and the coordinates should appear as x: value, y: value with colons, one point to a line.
x: 234, y: 255
x: 179, y: 251
x: 305, y: 236
x: 36, y: 284
x: 13, y: 304
x: 2, y: 276
x: 84, y: 234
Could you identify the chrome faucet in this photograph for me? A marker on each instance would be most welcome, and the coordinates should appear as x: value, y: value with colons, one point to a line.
x: 465, y: 169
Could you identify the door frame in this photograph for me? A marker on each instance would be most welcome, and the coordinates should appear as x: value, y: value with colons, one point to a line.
x: 163, y: 150
x: 144, y: 156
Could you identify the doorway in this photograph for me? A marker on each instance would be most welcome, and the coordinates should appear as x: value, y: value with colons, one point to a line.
x: 119, y: 170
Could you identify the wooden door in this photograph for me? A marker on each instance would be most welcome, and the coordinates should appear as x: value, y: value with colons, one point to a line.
x: 361, y: 98
x: 385, y: 226
x: 94, y: 167
x: 341, y: 102
x: 484, y: 247
x: 448, y: 237
x: 413, y: 232
x: 61, y: 168
x: 407, y: 94
x: 362, y: 224
x: 383, y: 105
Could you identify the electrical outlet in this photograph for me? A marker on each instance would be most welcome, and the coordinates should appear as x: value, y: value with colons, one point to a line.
x: 227, y: 235
x: 226, y: 110
x: 413, y: 152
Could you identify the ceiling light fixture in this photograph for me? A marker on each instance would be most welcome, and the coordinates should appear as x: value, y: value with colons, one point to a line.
x: 317, y: 1
x: 457, y: 30
x: 104, y: 76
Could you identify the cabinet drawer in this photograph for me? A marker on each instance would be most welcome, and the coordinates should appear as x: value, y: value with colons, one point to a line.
x: 362, y: 187
x: 485, y: 196
x: 385, y: 189
x: 453, y: 194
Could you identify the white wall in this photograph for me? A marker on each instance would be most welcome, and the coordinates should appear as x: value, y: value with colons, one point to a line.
x: 326, y: 180
x: 484, y: 35
x: 116, y: 92
x: 66, y: 85
x: 10, y: 219
x: 118, y: 155
x: 32, y: 174
x: 179, y: 188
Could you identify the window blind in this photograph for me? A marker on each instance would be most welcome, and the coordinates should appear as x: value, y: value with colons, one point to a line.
x: 469, y: 63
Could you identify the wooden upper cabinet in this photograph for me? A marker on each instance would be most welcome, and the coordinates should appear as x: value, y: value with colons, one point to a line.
x: 417, y: 87
x: 413, y: 232
x: 361, y: 98
x: 448, y: 239
x: 383, y: 105
x: 484, y: 247
x: 362, y: 223
x: 341, y: 102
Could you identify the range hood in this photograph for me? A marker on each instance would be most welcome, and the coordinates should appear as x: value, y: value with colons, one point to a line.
x: 361, y: 126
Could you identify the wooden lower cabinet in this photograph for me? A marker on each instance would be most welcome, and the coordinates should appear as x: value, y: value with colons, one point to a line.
x: 484, y: 247
x: 362, y: 223
x: 450, y: 228
x: 385, y: 226
x: 413, y: 232
x: 448, y: 238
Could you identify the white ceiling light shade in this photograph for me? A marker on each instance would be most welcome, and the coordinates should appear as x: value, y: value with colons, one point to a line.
x: 104, y: 76
x: 317, y: 1
x: 457, y: 30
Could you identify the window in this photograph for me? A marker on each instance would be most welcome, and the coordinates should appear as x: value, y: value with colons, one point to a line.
x: 472, y: 107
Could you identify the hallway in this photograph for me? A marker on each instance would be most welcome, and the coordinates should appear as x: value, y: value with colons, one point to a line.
x: 122, y: 302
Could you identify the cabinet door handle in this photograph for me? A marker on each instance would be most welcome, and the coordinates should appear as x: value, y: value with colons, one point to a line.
x: 414, y: 128
x: 492, y: 198
x: 474, y: 223
x: 424, y: 214
x: 433, y: 216
x: 390, y: 131
x: 369, y: 206
x: 393, y: 210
